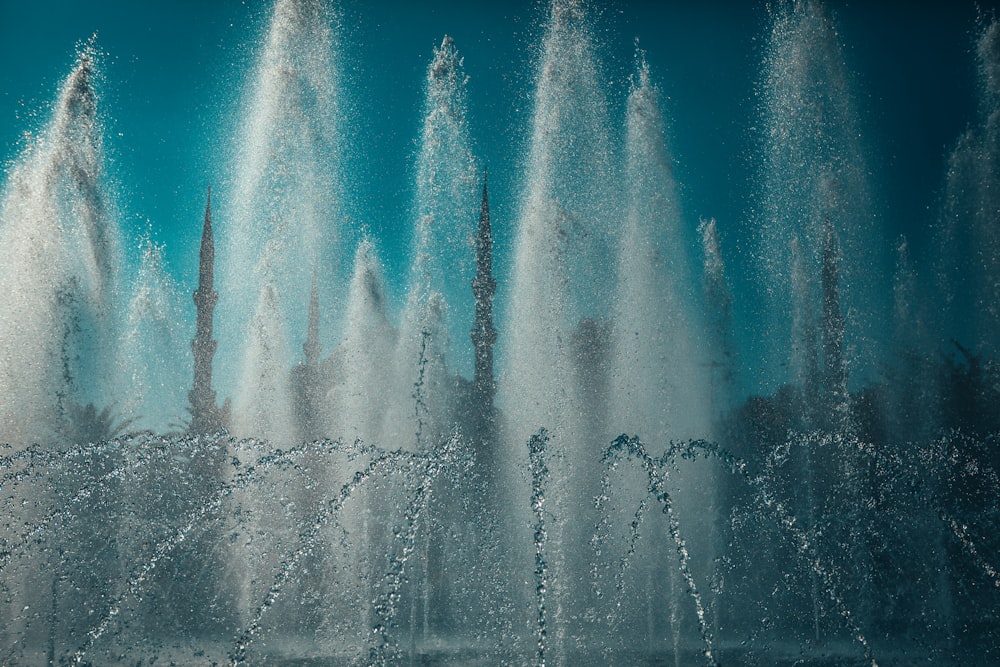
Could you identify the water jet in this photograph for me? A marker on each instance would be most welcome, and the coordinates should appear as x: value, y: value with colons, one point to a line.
x: 536, y: 442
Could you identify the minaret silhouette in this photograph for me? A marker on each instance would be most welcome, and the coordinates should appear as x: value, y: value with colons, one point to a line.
x: 205, y: 414
x: 485, y: 483
x: 484, y: 336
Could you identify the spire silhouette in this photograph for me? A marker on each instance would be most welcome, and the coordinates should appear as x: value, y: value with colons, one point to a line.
x: 206, y: 417
x: 484, y: 335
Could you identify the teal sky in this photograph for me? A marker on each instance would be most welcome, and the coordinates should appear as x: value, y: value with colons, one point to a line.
x: 174, y: 72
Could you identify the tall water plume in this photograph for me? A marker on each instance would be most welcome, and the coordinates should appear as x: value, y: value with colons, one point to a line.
x: 813, y: 178
x: 155, y: 354
x: 971, y: 263
x: 58, y: 281
x: 775, y: 535
x: 657, y: 385
x: 60, y: 250
x: 559, y: 278
x: 285, y: 217
x: 721, y: 337
x: 438, y: 307
x: 556, y: 348
x: 443, y: 256
x: 263, y: 406
x: 820, y: 265
x: 362, y: 371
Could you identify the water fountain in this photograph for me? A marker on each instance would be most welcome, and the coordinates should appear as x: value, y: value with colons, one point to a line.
x: 602, y: 494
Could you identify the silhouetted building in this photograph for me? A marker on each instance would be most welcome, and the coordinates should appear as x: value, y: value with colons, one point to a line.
x: 484, y: 335
x: 206, y: 417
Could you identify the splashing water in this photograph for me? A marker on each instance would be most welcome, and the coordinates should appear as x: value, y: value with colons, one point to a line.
x: 152, y: 342
x: 813, y: 177
x: 59, y: 275
x: 285, y: 210
x: 374, y: 506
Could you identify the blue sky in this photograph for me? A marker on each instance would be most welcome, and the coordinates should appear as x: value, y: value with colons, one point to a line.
x: 173, y: 74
